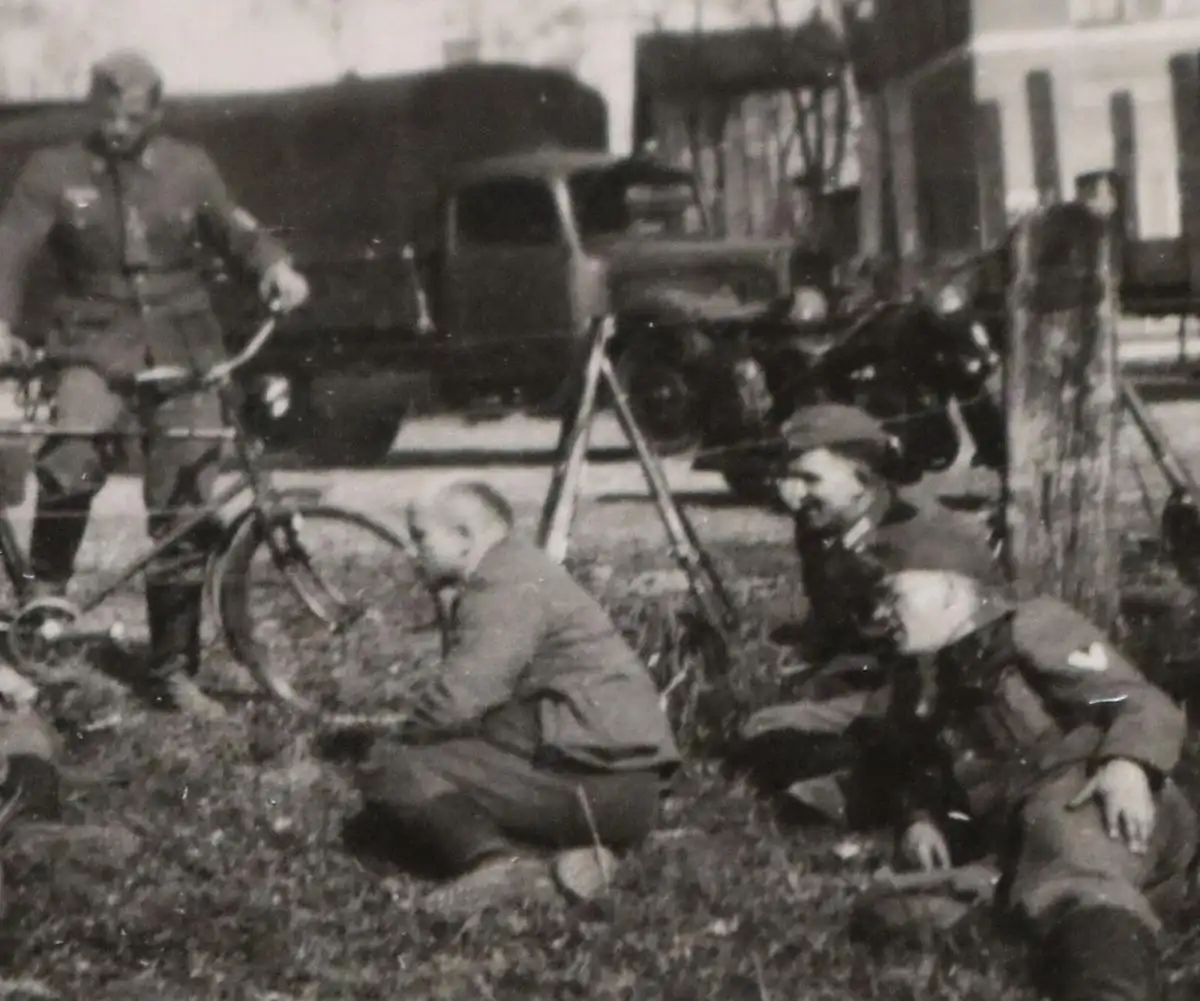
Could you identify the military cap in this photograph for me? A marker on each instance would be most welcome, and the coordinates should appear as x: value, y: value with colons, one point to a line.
x: 829, y: 425
x: 126, y: 70
x: 823, y: 425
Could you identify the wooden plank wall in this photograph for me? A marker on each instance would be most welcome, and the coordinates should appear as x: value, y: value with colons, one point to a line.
x: 747, y: 161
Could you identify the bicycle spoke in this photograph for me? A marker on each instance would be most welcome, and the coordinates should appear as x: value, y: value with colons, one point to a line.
x: 327, y: 611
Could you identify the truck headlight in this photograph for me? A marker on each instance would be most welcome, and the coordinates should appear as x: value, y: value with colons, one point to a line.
x: 809, y: 305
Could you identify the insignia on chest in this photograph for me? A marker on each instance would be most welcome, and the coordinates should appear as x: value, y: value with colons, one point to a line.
x: 81, y: 196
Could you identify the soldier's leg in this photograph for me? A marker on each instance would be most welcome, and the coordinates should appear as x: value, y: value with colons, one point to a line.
x: 469, y: 801
x: 70, y: 473
x: 180, y: 475
x: 813, y: 749
x: 1087, y: 899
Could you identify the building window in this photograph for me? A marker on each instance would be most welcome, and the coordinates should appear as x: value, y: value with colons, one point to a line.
x: 1100, y: 12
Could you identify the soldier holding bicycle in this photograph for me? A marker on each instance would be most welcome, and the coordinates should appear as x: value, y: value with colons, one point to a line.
x: 125, y: 211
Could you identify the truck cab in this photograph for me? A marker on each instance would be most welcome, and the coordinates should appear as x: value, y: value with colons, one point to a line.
x: 535, y: 245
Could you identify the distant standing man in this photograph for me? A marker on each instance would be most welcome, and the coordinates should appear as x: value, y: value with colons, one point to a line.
x: 125, y: 212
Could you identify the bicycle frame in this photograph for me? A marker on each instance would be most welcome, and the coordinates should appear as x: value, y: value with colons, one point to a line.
x: 250, y: 478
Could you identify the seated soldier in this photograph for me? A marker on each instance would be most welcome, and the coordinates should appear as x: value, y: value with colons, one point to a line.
x: 1024, y: 723
x: 541, y: 730
x: 834, y: 478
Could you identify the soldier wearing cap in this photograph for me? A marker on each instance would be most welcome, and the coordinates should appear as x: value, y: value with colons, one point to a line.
x: 1024, y: 724
x: 833, y: 471
x: 125, y: 212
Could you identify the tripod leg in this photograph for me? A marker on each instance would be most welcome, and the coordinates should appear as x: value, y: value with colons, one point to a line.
x: 558, y: 512
x: 16, y: 564
x: 702, y: 576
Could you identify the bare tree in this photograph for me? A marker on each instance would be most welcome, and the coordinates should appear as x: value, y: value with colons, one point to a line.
x: 809, y: 124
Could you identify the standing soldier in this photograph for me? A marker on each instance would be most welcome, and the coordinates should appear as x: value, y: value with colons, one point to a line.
x: 834, y: 478
x: 125, y: 212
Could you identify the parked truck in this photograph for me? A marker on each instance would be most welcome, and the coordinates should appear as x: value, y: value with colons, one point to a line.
x: 460, y: 228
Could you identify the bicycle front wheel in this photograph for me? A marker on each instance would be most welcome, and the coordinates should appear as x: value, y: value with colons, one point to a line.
x: 325, y: 608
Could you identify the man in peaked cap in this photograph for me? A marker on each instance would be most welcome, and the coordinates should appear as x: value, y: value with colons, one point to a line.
x: 1024, y: 723
x: 125, y: 211
x: 853, y: 528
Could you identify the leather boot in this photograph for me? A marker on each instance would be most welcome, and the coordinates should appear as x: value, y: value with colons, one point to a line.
x: 174, y: 612
x: 59, y: 525
x: 1101, y: 954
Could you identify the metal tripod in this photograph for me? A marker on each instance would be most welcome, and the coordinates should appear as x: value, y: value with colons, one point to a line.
x: 707, y: 590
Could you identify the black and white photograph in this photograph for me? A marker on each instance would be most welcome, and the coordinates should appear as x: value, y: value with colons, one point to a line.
x: 599, y: 500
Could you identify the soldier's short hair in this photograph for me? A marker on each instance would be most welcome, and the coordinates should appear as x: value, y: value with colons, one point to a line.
x: 461, y: 503
x: 487, y: 498
x: 126, y: 70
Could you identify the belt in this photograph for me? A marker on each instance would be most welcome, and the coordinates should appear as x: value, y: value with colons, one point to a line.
x: 139, y: 286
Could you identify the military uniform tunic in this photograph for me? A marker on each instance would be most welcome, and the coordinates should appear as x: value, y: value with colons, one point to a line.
x: 833, y: 770
x: 541, y: 703
x: 1023, y: 710
x: 129, y: 238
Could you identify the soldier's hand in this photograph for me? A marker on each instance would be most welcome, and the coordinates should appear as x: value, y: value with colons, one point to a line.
x: 1122, y: 790
x: 285, y: 286
x: 924, y: 846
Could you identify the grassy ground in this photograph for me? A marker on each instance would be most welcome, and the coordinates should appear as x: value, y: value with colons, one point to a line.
x: 240, y: 887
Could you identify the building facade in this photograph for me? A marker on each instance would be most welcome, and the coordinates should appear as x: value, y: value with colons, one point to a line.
x: 987, y: 106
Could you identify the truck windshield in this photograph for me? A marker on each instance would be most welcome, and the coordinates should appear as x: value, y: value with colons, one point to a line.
x: 631, y: 199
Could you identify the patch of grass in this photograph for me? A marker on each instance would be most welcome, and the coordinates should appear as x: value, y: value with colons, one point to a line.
x: 243, y: 891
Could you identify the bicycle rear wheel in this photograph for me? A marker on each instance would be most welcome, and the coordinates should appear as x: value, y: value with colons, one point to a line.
x: 325, y: 608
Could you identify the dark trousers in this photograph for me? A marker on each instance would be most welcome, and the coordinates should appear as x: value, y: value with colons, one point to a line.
x: 463, y: 800
x: 824, y: 750
x: 1061, y: 860
x: 179, y: 479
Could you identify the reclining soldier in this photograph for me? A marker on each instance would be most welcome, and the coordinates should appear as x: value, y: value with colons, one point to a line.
x: 1023, y: 726
x: 540, y: 731
x: 835, y: 480
x: 123, y: 211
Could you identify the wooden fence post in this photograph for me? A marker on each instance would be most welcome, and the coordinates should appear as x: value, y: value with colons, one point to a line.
x: 1063, y: 407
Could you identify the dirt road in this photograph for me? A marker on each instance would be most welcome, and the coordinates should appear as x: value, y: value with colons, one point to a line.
x: 515, y: 454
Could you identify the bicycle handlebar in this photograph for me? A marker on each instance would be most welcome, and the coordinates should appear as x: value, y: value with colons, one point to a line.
x: 41, y: 363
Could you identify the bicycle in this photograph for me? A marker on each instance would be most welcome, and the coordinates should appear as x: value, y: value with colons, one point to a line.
x: 259, y: 547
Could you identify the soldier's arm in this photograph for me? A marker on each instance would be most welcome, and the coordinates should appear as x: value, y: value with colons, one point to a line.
x: 25, y: 223
x: 227, y: 227
x: 907, y: 755
x: 1086, y: 679
x: 498, y: 632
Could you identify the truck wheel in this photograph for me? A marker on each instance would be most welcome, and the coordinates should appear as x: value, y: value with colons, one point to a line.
x: 350, y: 421
x: 661, y: 396
x: 363, y: 441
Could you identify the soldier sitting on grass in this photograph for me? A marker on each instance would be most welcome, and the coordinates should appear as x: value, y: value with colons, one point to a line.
x: 832, y: 471
x: 1026, y: 735
x: 540, y: 733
